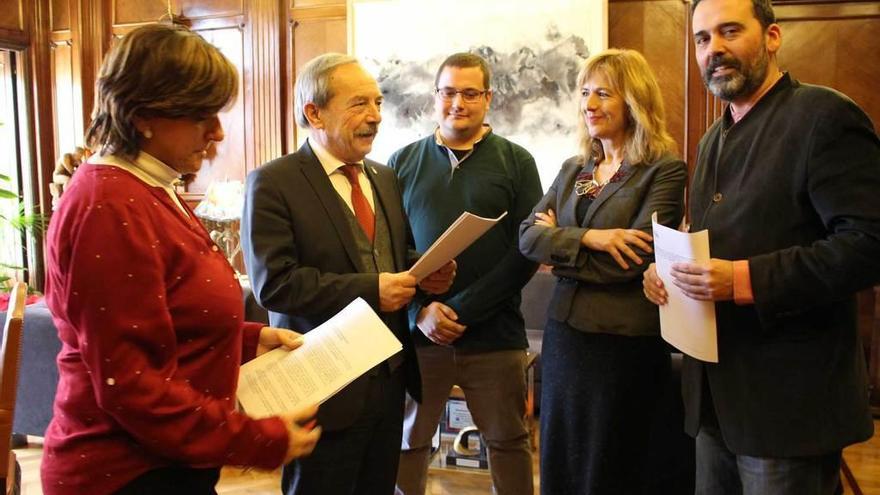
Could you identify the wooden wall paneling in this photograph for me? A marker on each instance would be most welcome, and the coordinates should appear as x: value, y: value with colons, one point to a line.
x: 66, y: 102
x: 295, y: 4
x: 77, y: 55
x: 264, y: 35
x: 285, y: 54
x: 39, y: 96
x: 205, y: 14
x: 35, y: 76
x: 59, y: 17
x: 702, y: 107
x: 655, y: 28
x: 234, y: 153
x: 313, y: 31
x: 12, y: 21
x: 834, y: 45
x: 197, y: 9
x: 93, y: 36
x: 124, y: 12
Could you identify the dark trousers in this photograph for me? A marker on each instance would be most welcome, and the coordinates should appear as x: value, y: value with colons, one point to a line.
x: 361, y: 459
x: 173, y: 481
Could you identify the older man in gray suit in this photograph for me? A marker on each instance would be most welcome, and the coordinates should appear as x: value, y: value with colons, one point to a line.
x: 321, y: 227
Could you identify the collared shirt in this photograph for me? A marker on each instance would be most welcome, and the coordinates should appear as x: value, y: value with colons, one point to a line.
x: 340, y: 182
x: 454, y: 160
x: 149, y: 170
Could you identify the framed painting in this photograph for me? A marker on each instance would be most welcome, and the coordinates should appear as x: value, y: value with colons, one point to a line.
x: 535, y: 50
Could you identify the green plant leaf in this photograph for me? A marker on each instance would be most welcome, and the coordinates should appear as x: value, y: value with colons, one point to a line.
x: 5, y: 178
x: 6, y: 194
x: 21, y: 221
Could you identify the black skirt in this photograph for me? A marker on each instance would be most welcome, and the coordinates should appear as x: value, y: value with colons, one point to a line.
x: 599, y: 395
x: 173, y: 480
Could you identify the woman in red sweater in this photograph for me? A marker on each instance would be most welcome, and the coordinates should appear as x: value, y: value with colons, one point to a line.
x: 148, y: 310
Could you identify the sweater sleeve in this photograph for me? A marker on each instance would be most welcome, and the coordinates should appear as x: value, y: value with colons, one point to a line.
x: 250, y: 340
x: 114, y: 301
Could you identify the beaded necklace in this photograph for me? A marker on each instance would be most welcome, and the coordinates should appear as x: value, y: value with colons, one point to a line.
x: 586, y: 185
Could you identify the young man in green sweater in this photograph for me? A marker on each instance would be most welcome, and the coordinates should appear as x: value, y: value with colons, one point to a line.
x: 473, y: 336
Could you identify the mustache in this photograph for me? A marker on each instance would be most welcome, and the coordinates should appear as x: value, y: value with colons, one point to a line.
x: 367, y: 130
x: 720, y: 60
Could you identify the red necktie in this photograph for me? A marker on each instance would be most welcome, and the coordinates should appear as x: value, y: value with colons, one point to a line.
x: 362, y: 209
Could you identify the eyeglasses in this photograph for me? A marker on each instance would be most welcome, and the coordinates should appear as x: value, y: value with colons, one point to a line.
x: 469, y: 95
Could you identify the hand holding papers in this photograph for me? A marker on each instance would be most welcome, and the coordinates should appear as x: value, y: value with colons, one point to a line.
x: 331, y: 356
x: 686, y: 323
x: 466, y: 229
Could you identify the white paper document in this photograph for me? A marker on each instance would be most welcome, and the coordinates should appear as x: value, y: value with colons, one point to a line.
x: 686, y: 323
x: 332, y: 356
x: 466, y: 229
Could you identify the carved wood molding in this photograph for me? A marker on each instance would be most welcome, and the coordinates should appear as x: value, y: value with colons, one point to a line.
x: 207, y: 9
x: 13, y: 38
x: 57, y: 38
x: 827, y: 10
x: 12, y: 19
x: 320, y: 12
x: 91, y: 42
x: 40, y: 117
x: 265, y: 35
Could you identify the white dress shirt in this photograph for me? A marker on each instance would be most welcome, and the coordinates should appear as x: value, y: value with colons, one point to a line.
x: 337, y: 177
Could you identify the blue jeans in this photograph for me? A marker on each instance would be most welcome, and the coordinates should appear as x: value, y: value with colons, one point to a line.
x: 721, y: 472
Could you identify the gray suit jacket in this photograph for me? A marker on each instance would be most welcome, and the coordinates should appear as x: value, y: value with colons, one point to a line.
x: 594, y: 293
x: 302, y: 259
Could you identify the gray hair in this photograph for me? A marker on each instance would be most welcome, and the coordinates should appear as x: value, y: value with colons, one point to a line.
x: 313, y: 83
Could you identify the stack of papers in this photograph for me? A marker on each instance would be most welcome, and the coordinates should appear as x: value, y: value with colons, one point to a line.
x: 687, y: 324
x: 466, y: 229
x: 333, y: 355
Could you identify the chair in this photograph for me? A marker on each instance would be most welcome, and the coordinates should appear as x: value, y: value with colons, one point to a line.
x: 10, y: 355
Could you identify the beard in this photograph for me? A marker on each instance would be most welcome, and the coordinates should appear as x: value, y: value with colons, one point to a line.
x: 745, y: 79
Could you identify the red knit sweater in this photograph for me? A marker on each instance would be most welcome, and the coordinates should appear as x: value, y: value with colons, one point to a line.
x: 150, y: 319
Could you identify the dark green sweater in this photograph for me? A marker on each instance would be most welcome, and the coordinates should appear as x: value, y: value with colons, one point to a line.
x: 498, y: 176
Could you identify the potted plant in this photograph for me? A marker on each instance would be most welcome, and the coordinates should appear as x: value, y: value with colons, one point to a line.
x: 14, y: 222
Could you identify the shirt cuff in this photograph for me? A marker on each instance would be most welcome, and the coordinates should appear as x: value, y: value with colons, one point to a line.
x: 742, y: 283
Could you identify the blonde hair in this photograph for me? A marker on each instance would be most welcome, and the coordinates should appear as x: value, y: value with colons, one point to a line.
x: 157, y: 71
x: 629, y: 75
